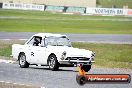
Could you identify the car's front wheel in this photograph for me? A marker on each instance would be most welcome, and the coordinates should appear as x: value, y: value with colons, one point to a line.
x: 22, y: 61
x: 53, y: 63
x: 86, y: 68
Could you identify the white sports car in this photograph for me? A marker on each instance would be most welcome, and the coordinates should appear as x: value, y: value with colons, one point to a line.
x: 53, y: 50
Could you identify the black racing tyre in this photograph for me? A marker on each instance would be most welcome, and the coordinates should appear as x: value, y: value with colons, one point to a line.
x: 22, y: 61
x: 53, y: 63
x: 81, y: 80
x: 86, y: 68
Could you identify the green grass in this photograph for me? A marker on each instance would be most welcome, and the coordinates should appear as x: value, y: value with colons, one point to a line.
x: 5, y: 47
x: 5, y: 50
x: 36, y: 21
x: 117, y: 3
x: 108, y: 55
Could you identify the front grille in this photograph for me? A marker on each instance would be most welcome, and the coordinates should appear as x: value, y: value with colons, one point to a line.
x: 77, y: 58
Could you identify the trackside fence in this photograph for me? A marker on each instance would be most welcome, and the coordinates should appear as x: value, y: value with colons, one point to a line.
x: 66, y: 9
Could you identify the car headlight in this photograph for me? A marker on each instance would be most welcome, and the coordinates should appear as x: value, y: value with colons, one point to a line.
x: 93, y: 54
x: 63, y: 56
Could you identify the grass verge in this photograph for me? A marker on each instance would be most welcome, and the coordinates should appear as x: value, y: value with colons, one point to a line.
x: 5, y: 47
x: 37, y: 21
x: 108, y: 55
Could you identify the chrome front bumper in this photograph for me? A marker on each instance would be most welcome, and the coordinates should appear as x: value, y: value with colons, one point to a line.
x: 76, y: 62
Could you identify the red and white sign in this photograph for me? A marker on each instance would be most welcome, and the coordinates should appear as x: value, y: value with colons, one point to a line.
x: 129, y: 12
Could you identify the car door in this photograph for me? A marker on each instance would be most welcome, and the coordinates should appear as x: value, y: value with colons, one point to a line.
x: 36, y: 51
x: 37, y: 54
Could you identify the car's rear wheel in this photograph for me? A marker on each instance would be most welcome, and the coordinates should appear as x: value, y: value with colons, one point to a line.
x: 86, y: 68
x: 22, y: 61
x: 53, y: 63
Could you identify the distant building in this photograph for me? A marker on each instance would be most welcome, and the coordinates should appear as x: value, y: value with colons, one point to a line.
x: 76, y: 3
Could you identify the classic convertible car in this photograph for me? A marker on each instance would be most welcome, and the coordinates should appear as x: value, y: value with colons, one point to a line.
x: 53, y: 50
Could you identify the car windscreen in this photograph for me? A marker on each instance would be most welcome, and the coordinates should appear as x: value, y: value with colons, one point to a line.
x: 58, y: 41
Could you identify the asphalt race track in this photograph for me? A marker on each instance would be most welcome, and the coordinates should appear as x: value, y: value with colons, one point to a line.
x: 64, y: 78
x: 90, y: 38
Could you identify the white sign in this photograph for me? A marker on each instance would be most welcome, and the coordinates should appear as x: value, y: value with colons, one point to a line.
x: 108, y: 11
x: 23, y: 6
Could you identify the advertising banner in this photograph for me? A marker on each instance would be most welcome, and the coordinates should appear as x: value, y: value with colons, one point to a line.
x: 54, y: 8
x: 76, y: 10
x: 23, y: 6
x: 108, y: 11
